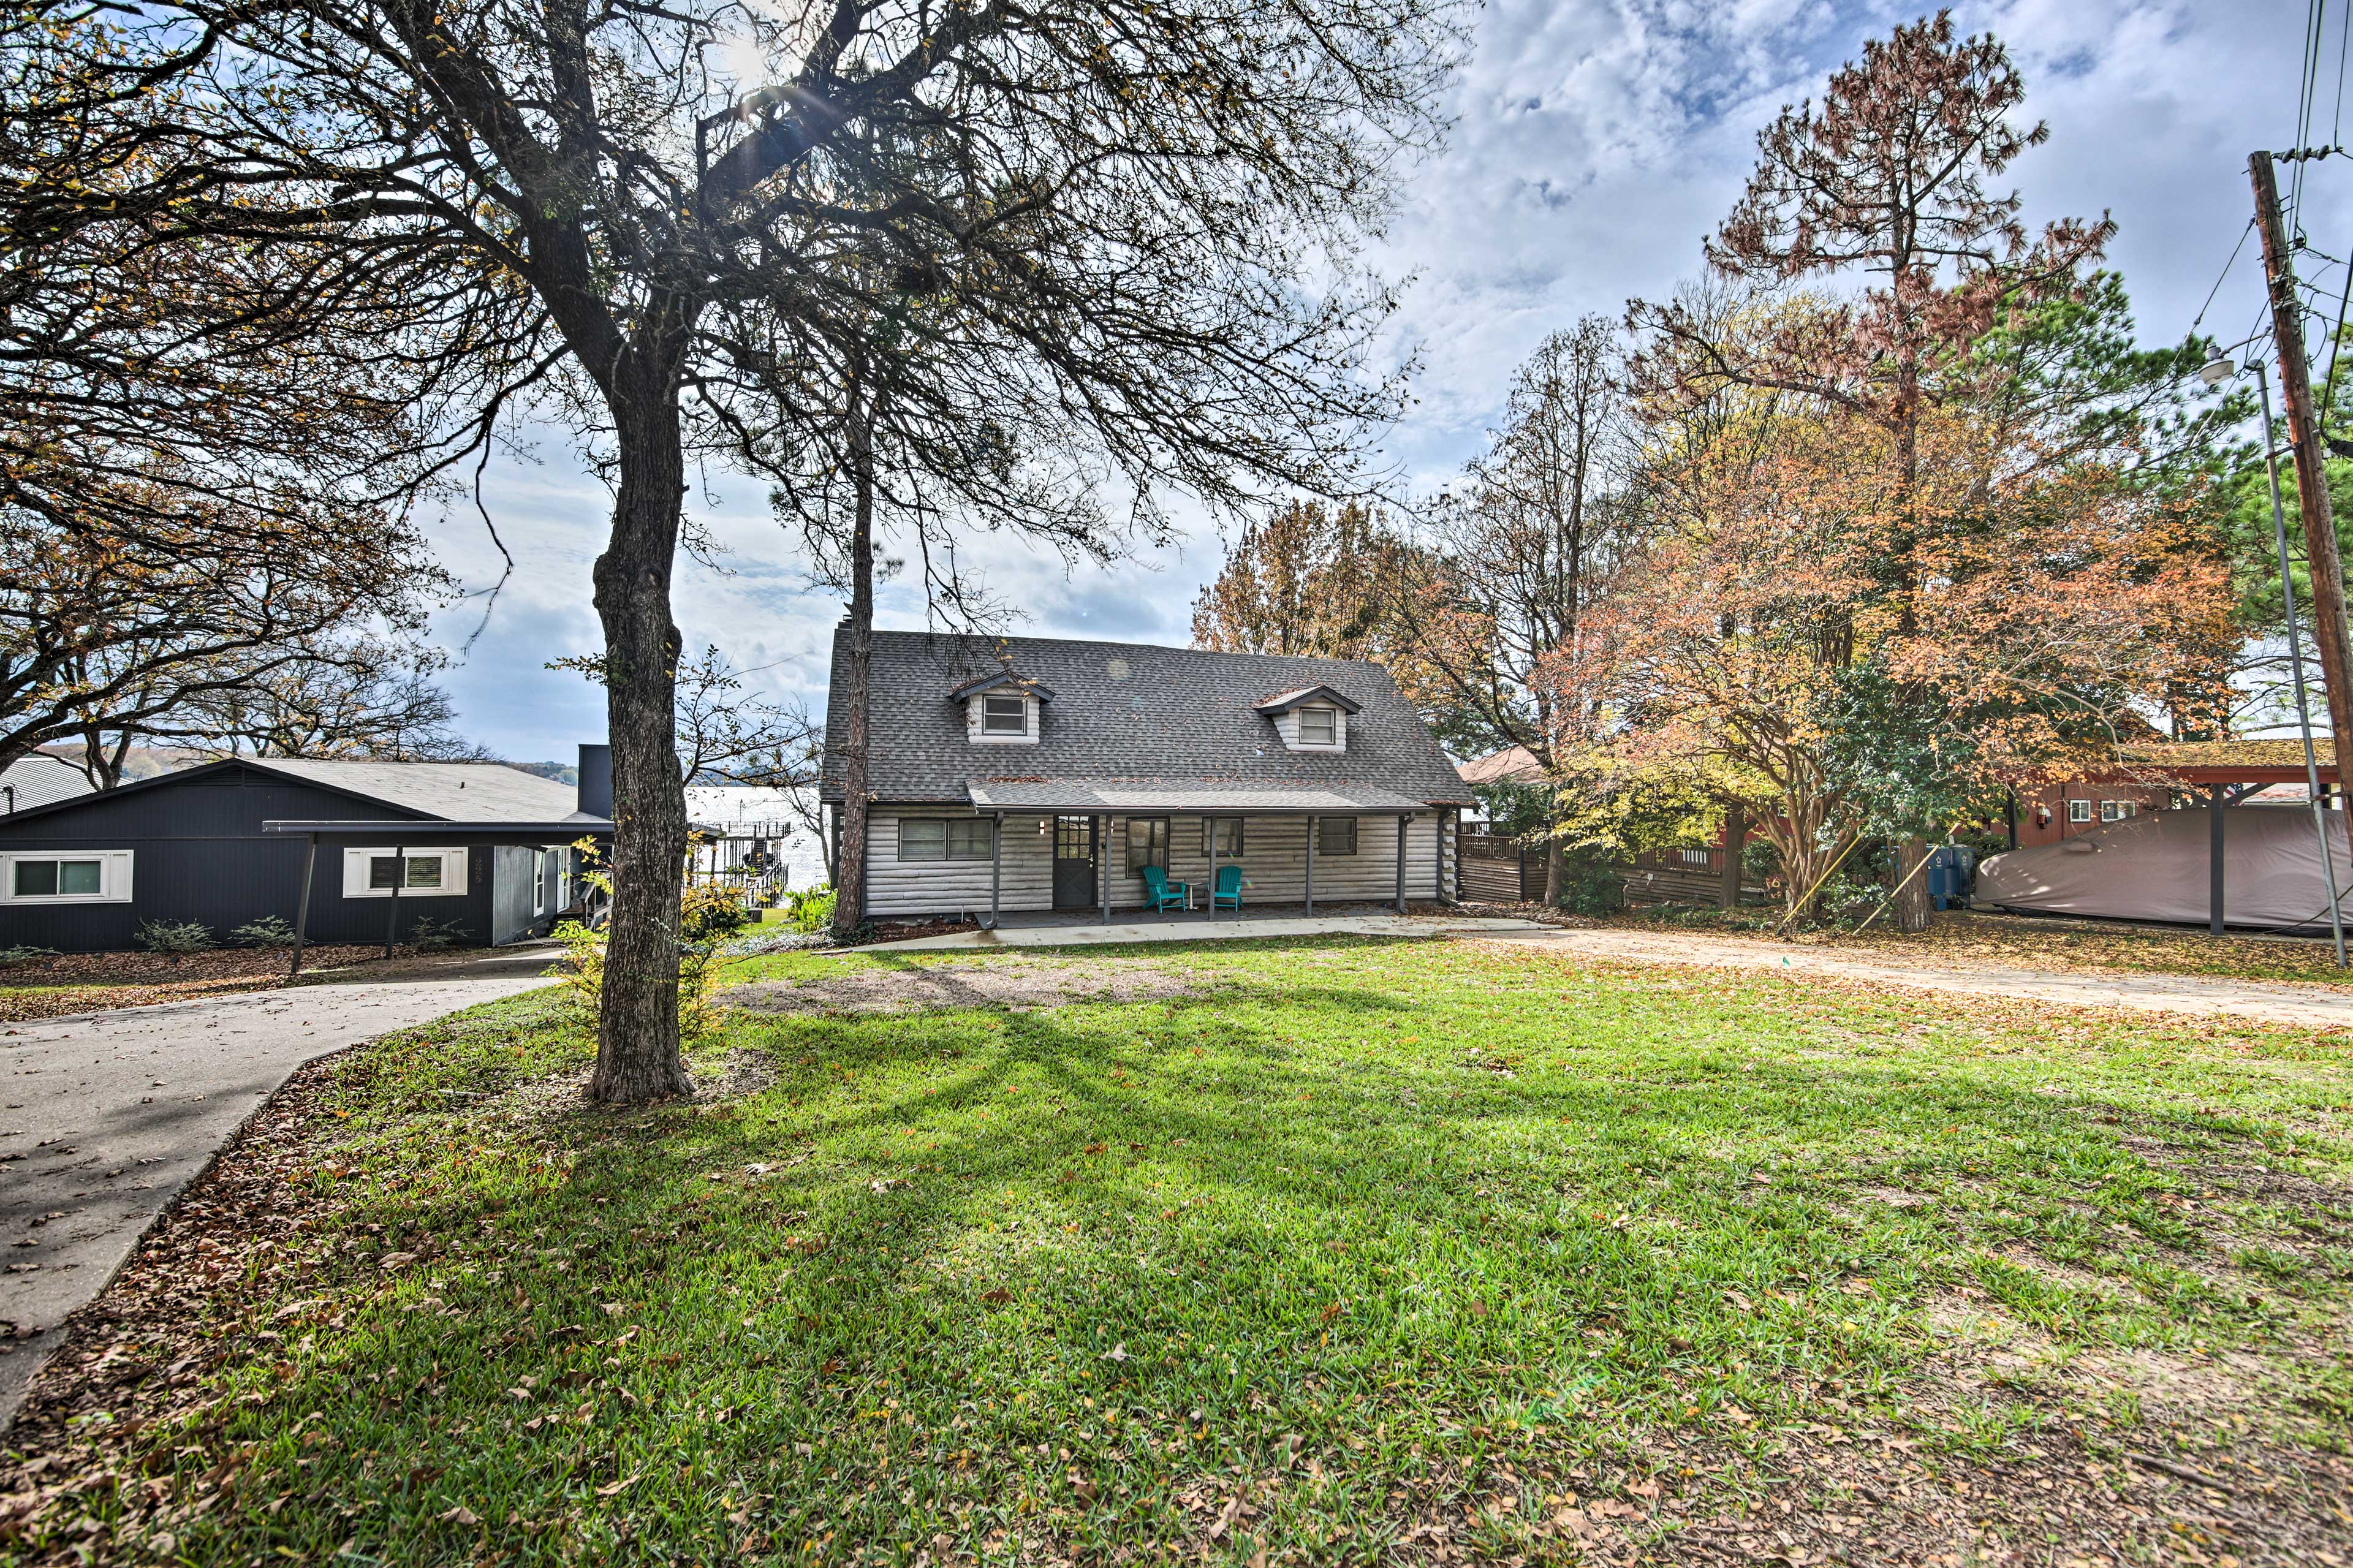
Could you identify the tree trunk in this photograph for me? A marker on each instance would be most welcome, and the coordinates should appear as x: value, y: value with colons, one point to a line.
x: 1911, y: 908
x: 1735, y: 834
x: 637, y: 1055
x: 1556, y: 874
x: 850, y: 884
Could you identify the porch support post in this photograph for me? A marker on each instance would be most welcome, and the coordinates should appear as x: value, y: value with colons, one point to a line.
x: 1311, y: 865
x: 1439, y: 876
x: 1102, y: 862
x: 302, y: 905
x: 392, y: 904
x: 2214, y: 860
x: 1404, y: 823
x: 996, y: 869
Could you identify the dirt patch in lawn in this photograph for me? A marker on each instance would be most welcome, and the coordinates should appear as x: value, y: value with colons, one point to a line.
x: 1016, y: 985
x: 64, y: 984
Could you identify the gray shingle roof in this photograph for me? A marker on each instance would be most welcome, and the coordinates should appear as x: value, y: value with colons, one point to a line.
x: 39, y: 780
x: 1125, y: 711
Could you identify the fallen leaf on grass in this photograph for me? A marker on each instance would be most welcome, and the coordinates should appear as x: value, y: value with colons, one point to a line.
x: 618, y: 1486
x: 997, y: 1296
x: 462, y: 1516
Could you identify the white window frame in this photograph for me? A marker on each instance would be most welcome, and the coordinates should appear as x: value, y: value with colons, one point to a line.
x: 113, y: 876
x: 539, y: 870
x: 989, y: 714
x: 453, y: 871
x: 976, y: 832
x: 1331, y: 718
x: 2079, y: 811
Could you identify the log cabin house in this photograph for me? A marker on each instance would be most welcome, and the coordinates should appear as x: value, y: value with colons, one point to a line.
x: 1027, y: 775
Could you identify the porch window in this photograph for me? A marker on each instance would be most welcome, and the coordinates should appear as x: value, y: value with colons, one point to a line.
x: 943, y: 839
x: 1147, y: 843
x: 1335, y: 835
x: 2116, y: 810
x: 1319, y: 727
x: 2079, y: 811
x: 1004, y: 716
x: 1221, y: 838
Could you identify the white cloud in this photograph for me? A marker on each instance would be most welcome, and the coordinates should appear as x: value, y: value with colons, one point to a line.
x: 1596, y: 140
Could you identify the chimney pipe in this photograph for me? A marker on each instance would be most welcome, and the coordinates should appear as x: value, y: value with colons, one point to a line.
x: 597, y: 781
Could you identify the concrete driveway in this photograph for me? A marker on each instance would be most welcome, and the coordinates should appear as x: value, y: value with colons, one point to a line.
x: 108, y: 1116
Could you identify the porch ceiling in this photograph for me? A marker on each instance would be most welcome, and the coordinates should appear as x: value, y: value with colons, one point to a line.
x: 1155, y: 795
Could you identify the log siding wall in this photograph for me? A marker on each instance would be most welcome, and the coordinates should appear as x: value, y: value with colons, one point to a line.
x: 1273, y: 862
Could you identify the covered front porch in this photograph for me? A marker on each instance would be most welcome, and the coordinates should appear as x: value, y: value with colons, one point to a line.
x: 1153, y: 852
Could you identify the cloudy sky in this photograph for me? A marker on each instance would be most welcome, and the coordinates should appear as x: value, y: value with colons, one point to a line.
x: 1596, y: 140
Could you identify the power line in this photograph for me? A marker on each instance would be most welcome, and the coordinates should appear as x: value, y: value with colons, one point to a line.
x: 2209, y: 305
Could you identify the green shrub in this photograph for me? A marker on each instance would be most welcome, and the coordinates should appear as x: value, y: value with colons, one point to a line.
x: 708, y: 911
x: 429, y: 933
x: 175, y: 936
x: 810, y: 910
x: 24, y: 954
x: 269, y: 930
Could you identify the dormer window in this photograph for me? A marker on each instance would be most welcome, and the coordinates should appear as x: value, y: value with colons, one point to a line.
x: 1002, y: 709
x: 1005, y: 716
x: 1310, y: 718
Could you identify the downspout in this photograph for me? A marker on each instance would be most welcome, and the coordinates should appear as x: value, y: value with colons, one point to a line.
x: 995, y: 873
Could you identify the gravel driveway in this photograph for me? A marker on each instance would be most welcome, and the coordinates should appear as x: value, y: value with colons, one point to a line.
x: 108, y: 1116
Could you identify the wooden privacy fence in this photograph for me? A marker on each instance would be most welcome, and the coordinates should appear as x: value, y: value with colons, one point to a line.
x: 1499, y: 870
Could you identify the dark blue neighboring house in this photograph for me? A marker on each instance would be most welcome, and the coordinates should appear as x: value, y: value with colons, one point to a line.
x: 481, y: 850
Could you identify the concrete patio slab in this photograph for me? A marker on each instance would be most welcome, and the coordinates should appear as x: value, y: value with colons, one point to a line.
x: 1197, y: 929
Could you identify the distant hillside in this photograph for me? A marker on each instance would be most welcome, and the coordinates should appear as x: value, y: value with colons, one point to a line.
x: 561, y: 773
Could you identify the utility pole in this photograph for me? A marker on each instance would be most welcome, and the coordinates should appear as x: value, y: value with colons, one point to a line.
x: 2303, y: 439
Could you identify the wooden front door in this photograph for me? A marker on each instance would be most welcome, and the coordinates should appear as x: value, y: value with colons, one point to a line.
x: 1074, y: 862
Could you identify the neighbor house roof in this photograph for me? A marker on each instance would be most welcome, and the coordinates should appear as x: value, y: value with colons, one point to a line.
x: 1129, y: 715
x: 39, y: 780
x: 1513, y: 764
x: 449, y: 792
x: 488, y: 795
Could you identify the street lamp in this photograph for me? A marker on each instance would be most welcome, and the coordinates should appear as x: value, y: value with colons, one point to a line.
x: 2214, y: 372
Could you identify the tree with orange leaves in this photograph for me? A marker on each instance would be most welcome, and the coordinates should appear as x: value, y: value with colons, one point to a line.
x: 1766, y: 647
x: 1888, y: 178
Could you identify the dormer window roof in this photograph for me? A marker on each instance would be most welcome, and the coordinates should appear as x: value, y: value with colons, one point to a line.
x: 1304, y: 697
x: 996, y: 680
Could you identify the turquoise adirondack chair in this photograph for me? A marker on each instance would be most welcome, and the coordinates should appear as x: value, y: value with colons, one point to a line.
x: 1226, y: 893
x: 1163, y: 894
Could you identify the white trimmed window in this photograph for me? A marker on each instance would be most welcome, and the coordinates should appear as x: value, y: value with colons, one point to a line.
x: 1319, y: 726
x: 2079, y: 811
x: 1004, y: 716
x: 66, y: 876
x: 429, y: 873
x: 542, y: 870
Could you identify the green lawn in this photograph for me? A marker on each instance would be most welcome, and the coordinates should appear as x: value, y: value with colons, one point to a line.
x: 1319, y: 1252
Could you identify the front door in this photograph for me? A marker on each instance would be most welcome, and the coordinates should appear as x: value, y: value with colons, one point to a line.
x: 1074, y: 862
